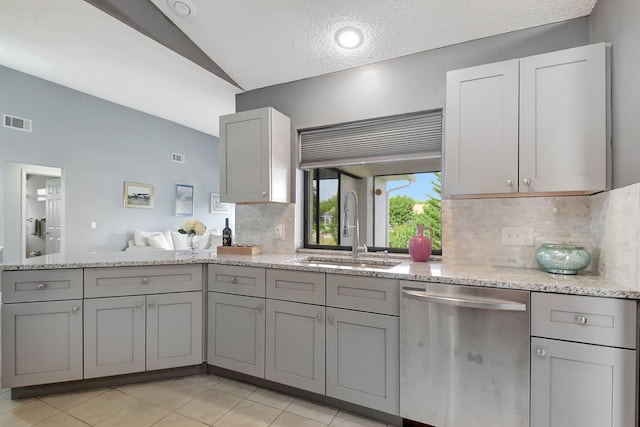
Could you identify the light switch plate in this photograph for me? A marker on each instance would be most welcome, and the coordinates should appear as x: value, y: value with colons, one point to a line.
x: 517, y: 236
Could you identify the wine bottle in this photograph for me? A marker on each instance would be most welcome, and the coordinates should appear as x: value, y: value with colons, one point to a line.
x: 226, y: 233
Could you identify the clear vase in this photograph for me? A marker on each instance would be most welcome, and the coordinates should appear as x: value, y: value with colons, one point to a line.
x: 193, y: 243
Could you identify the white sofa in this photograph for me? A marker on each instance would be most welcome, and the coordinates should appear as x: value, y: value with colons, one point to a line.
x: 169, y: 240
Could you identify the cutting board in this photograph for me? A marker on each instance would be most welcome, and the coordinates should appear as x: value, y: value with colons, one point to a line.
x: 240, y: 250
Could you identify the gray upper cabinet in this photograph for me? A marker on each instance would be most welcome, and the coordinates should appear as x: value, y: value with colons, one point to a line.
x: 255, y: 157
x: 533, y: 125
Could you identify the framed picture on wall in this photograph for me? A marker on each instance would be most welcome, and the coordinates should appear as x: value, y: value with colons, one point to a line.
x: 184, y: 200
x: 217, y: 206
x: 137, y: 195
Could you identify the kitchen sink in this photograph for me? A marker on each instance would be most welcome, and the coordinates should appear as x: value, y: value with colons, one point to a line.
x: 347, y: 263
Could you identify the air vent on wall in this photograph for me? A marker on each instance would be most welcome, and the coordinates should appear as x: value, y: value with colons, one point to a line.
x: 17, y: 123
x: 177, y: 157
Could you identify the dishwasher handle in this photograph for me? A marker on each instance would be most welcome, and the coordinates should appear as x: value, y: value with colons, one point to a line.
x: 473, y: 302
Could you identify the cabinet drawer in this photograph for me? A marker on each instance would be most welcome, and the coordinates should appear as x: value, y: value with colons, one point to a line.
x: 231, y: 279
x: 120, y: 281
x: 363, y: 293
x: 604, y: 321
x: 299, y: 286
x: 41, y: 285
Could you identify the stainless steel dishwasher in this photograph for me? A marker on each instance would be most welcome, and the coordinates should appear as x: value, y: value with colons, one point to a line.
x: 464, y: 355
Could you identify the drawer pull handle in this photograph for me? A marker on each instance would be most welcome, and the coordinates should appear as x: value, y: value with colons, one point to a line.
x: 583, y: 320
x: 75, y: 308
x: 138, y: 304
x: 42, y: 286
x: 330, y: 319
x: 234, y: 280
x: 152, y: 304
x: 145, y: 280
x: 541, y: 352
x: 319, y: 317
x: 259, y: 308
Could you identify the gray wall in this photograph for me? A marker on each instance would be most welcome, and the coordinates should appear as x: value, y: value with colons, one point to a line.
x: 616, y: 21
x: 99, y: 145
x: 411, y: 83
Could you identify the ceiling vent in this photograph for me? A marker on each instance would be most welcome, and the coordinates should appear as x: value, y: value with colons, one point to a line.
x: 17, y: 123
x: 177, y: 157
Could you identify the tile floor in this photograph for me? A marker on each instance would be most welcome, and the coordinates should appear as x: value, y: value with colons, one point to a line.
x: 201, y: 400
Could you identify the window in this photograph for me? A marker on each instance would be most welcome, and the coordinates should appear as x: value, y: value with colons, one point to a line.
x: 391, y: 163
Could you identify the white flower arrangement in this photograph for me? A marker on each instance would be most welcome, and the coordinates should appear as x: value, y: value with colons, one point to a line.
x: 192, y: 227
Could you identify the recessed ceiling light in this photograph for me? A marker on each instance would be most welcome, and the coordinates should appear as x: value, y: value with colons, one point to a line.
x: 349, y: 37
x: 183, y: 8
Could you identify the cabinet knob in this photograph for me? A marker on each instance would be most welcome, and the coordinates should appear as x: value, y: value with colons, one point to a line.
x: 145, y: 280
x: 264, y: 194
x: 330, y: 319
x: 75, y: 309
x: 319, y: 317
x: 138, y: 304
x: 583, y: 320
x: 510, y: 182
x: 234, y: 280
x: 152, y: 304
x: 541, y: 352
x: 259, y: 308
x: 42, y: 286
x: 526, y: 181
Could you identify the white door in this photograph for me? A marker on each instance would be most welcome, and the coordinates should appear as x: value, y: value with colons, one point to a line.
x: 582, y: 385
x: 53, y: 215
x: 236, y: 333
x: 174, y: 330
x: 114, y: 336
x: 363, y: 359
x: 41, y: 342
x: 481, y: 120
x: 295, y: 345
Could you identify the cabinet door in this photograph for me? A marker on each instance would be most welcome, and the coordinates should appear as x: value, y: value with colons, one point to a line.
x: 295, y: 345
x: 563, y: 120
x: 581, y: 385
x: 244, y: 156
x: 363, y: 359
x: 114, y: 336
x: 41, y: 343
x: 481, y: 146
x: 236, y: 333
x: 174, y: 330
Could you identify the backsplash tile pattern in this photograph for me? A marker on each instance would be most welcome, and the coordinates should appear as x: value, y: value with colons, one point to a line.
x: 256, y: 223
x: 472, y: 228
x: 615, y: 234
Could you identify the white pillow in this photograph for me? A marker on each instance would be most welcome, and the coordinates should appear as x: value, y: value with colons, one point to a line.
x: 160, y: 241
x: 141, y: 237
x: 180, y: 241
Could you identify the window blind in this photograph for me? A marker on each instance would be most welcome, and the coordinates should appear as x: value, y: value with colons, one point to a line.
x: 404, y: 137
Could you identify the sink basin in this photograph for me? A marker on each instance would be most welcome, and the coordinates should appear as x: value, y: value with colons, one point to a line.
x: 347, y: 263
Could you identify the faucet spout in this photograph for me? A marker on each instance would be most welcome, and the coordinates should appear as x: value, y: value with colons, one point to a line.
x: 355, y: 247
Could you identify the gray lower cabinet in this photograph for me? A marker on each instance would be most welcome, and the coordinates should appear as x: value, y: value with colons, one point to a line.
x: 41, y: 342
x: 362, y: 358
x: 137, y: 333
x: 236, y: 332
x: 295, y: 345
x: 584, y: 385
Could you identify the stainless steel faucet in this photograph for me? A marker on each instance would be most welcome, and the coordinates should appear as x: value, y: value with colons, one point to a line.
x: 356, y: 249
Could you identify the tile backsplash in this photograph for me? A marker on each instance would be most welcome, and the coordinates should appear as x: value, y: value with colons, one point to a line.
x: 606, y: 224
x: 256, y: 223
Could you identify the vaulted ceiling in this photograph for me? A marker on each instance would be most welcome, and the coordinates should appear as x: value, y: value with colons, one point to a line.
x: 152, y: 56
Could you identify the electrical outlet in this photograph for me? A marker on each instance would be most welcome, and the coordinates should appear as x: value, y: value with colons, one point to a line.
x: 279, y: 232
x: 517, y: 236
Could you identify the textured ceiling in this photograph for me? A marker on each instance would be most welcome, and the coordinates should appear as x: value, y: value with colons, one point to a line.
x: 256, y: 42
x: 262, y: 43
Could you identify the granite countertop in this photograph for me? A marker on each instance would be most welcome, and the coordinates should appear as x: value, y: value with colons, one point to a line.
x: 433, y: 271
